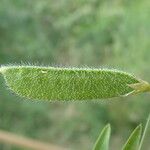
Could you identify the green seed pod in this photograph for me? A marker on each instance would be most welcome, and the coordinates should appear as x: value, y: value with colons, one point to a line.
x: 51, y: 83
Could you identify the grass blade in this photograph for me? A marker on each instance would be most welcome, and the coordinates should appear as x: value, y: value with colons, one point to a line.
x: 134, y: 139
x: 102, y: 142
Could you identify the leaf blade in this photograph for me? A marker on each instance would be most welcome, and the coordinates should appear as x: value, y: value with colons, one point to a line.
x: 102, y: 142
x: 144, y: 133
x: 134, y: 139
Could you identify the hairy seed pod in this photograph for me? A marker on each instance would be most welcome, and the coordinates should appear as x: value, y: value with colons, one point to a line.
x: 51, y: 83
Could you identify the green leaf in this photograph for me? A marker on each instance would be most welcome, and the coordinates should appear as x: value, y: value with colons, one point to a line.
x: 144, y: 133
x: 51, y: 83
x: 102, y: 142
x: 134, y: 140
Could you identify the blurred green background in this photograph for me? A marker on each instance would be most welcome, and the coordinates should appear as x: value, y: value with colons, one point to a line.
x: 80, y: 33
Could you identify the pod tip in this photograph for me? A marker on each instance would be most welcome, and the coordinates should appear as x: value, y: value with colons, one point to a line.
x: 142, y: 86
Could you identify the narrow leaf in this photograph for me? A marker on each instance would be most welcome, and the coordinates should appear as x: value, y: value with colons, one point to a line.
x: 144, y: 133
x: 102, y: 142
x: 51, y: 83
x: 134, y: 140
